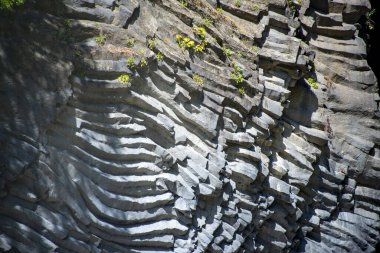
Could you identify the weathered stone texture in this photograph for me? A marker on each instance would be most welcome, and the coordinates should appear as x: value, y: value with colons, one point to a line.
x: 166, y: 164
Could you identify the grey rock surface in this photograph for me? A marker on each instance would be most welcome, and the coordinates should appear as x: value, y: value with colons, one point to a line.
x: 168, y: 162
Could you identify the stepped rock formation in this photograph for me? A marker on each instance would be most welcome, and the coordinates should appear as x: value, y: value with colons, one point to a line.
x: 228, y: 149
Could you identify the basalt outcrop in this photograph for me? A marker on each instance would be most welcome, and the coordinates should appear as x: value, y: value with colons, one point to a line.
x: 119, y: 134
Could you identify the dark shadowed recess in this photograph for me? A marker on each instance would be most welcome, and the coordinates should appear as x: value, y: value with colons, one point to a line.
x: 374, y: 40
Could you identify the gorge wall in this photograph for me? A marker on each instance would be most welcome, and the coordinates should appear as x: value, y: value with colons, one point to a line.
x: 188, y: 126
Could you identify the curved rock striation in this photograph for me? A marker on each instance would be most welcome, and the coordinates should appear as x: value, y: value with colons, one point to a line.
x: 188, y: 126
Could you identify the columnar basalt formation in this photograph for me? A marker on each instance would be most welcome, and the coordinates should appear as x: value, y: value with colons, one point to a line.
x: 126, y: 127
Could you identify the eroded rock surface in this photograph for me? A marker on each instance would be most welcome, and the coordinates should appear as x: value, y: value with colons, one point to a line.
x: 181, y: 157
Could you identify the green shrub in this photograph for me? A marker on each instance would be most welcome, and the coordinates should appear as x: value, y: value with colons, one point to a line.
x: 237, y: 74
x: 152, y: 44
x: 200, y: 31
x: 207, y: 22
x: 124, y: 78
x: 159, y: 56
x: 131, y: 62
x: 101, y: 40
x: 227, y: 52
x: 238, y: 3
x: 130, y: 42
x: 198, y: 80
x: 312, y: 82
x: 143, y: 62
x: 241, y: 90
x: 9, y: 4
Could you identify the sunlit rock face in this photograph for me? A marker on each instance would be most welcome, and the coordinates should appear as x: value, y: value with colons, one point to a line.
x: 117, y: 135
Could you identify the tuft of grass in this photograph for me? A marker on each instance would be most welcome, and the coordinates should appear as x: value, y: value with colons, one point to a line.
x: 312, y: 82
x: 183, y: 3
x: 159, y: 56
x: 130, y: 42
x: 227, y: 52
x: 124, y: 78
x: 198, y: 79
x: 131, y: 62
x: 241, y: 90
x: 207, y: 22
x: 200, y: 47
x: 219, y: 10
x: 101, y: 39
x: 237, y: 3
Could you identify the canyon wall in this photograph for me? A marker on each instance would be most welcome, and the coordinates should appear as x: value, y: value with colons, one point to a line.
x: 188, y: 126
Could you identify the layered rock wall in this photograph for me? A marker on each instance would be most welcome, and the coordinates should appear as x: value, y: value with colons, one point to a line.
x: 115, y: 137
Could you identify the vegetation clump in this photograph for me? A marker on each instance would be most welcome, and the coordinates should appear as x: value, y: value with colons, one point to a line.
x: 152, y: 44
x: 9, y: 4
x: 206, y: 22
x: 124, y: 78
x: 237, y: 3
x: 131, y: 62
x: 198, y: 79
x: 159, y: 56
x: 227, y: 52
x: 241, y: 90
x: 237, y: 73
x: 130, y: 42
x: 143, y: 62
x: 312, y: 82
x: 101, y: 39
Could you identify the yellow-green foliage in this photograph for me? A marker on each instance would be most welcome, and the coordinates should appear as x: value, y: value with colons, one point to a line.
x: 237, y: 74
x: 159, y: 56
x: 198, y: 80
x: 101, y: 39
x: 183, y: 3
x: 130, y: 62
x: 124, y: 78
x: 227, y: 52
x: 255, y: 49
x: 143, y: 62
x: 237, y: 3
x: 130, y: 42
x: 219, y: 10
x: 200, y: 31
x: 242, y: 90
x: 207, y: 22
x: 313, y: 83
x: 255, y: 7
x: 9, y: 4
x: 151, y: 44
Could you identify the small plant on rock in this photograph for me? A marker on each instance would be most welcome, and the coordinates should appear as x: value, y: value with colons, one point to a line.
x: 200, y: 47
x: 9, y: 4
x: 143, y: 62
x: 219, y: 10
x: 227, y: 52
x: 312, y: 82
x: 237, y: 74
x: 200, y: 31
x: 124, y: 78
x: 130, y: 42
x: 151, y: 44
x: 101, y: 40
x: 198, y: 80
x: 159, y: 56
x: 237, y: 3
x: 255, y: 7
x: 241, y: 90
x: 207, y: 22
x: 131, y: 62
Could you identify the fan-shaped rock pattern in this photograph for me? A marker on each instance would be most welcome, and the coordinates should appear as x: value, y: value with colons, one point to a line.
x: 184, y: 156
